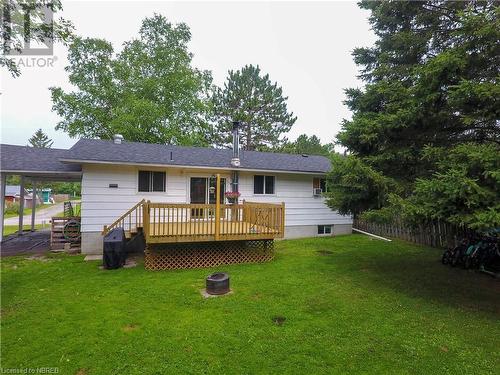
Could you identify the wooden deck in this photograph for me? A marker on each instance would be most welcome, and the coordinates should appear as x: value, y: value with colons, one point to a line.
x: 175, y: 223
x: 198, y: 231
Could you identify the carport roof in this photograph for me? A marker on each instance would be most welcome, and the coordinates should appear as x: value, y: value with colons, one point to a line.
x: 39, y: 163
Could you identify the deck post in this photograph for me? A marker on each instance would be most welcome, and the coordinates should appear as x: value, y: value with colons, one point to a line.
x: 145, y: 220
x: 21, y: 205
x: 282, y: 219
x: 217, y: 208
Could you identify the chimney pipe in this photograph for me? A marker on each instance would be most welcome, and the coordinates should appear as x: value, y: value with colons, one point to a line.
x: 117, y: 139
x: 235, y: 161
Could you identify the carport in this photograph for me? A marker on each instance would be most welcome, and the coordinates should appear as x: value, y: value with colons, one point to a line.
x: 33, y: 165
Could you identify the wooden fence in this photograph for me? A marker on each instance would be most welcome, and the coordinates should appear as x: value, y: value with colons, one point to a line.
x: 435, y: 234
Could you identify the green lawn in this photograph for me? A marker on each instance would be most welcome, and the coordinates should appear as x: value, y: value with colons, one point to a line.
x: 352, y: 305
x: 26, y: 211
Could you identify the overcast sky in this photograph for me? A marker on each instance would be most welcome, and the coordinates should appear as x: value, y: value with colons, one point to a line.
x: 304, y: 46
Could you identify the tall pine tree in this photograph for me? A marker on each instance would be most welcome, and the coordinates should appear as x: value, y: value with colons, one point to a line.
x: 432, y: 80
x: 40, y: 139
x: 258, y: 104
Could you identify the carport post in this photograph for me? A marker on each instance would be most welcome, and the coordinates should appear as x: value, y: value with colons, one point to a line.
x: 21, y: 206
x: 33, y: 206
x: 3, y: 177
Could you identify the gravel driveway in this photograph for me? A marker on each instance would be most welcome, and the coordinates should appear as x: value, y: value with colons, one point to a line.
x: 41, y: 216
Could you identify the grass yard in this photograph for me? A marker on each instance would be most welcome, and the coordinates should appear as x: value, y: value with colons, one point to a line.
x: 26, y: 211
x: 351, y: 304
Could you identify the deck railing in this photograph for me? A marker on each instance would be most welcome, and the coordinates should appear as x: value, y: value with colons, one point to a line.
x: 178, y: 222
x: 184, y: 222
x: 130, y: 221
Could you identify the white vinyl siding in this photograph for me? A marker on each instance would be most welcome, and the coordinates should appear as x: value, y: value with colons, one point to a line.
x: 301, y: 207
x: 102, y: 205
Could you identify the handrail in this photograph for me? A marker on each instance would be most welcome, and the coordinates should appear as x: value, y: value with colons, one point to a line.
x: 172, y: 222
x: 219, y: 222
x: 121, y: 220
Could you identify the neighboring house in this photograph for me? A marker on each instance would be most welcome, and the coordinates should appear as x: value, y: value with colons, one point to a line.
x: 28, y: 200
x: 44, y: 195
x: 116, y: 175
x: 13, y: 194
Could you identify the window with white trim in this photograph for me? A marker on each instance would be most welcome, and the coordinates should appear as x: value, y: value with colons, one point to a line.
x: 151, y: 181
x: 324, y: 229
x: 320, y: 183
x: 263, y: 184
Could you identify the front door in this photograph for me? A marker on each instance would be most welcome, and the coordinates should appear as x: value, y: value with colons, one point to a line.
x: 198, y: 190
x: 200, y: 193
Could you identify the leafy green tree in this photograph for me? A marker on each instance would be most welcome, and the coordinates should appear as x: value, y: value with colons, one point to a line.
x: 258, y: 104
x: 149, y: 92
x: 354, y: 187
x: 71, y: 188
x: 24, y: 22
x: 41, y: 140
x: 307, y: 145
x: 432, y: 80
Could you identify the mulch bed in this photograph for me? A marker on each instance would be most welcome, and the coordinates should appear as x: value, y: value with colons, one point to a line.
x: 37, y: 242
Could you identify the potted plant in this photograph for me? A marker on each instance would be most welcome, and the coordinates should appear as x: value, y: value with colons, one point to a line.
x: 232, y: 196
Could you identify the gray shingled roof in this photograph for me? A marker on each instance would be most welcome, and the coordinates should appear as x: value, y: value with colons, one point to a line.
x: 12, y: 190
x: 144, y: 153
x: 23, y: 158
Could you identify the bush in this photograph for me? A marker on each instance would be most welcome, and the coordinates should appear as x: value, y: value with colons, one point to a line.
x: 11, y: 208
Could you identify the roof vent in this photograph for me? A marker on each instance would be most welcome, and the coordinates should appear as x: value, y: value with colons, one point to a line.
x: 117, y: 139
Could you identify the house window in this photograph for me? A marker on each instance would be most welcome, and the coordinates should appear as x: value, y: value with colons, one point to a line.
x: 152, y: 181
x: 263, y: 184
x: 320, y: 183
x: 324, y: 229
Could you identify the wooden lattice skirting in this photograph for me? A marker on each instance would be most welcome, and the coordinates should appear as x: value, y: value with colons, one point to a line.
x: 206, y: 254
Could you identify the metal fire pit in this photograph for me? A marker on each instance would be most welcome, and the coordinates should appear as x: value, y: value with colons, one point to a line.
x: 218, y: 283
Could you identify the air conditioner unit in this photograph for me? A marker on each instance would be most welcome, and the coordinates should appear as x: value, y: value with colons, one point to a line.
x: 317, y: 192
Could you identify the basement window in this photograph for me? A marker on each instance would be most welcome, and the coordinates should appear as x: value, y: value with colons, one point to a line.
x: 151, y: 181
x: 324, y: 229
x: 263, y: 184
